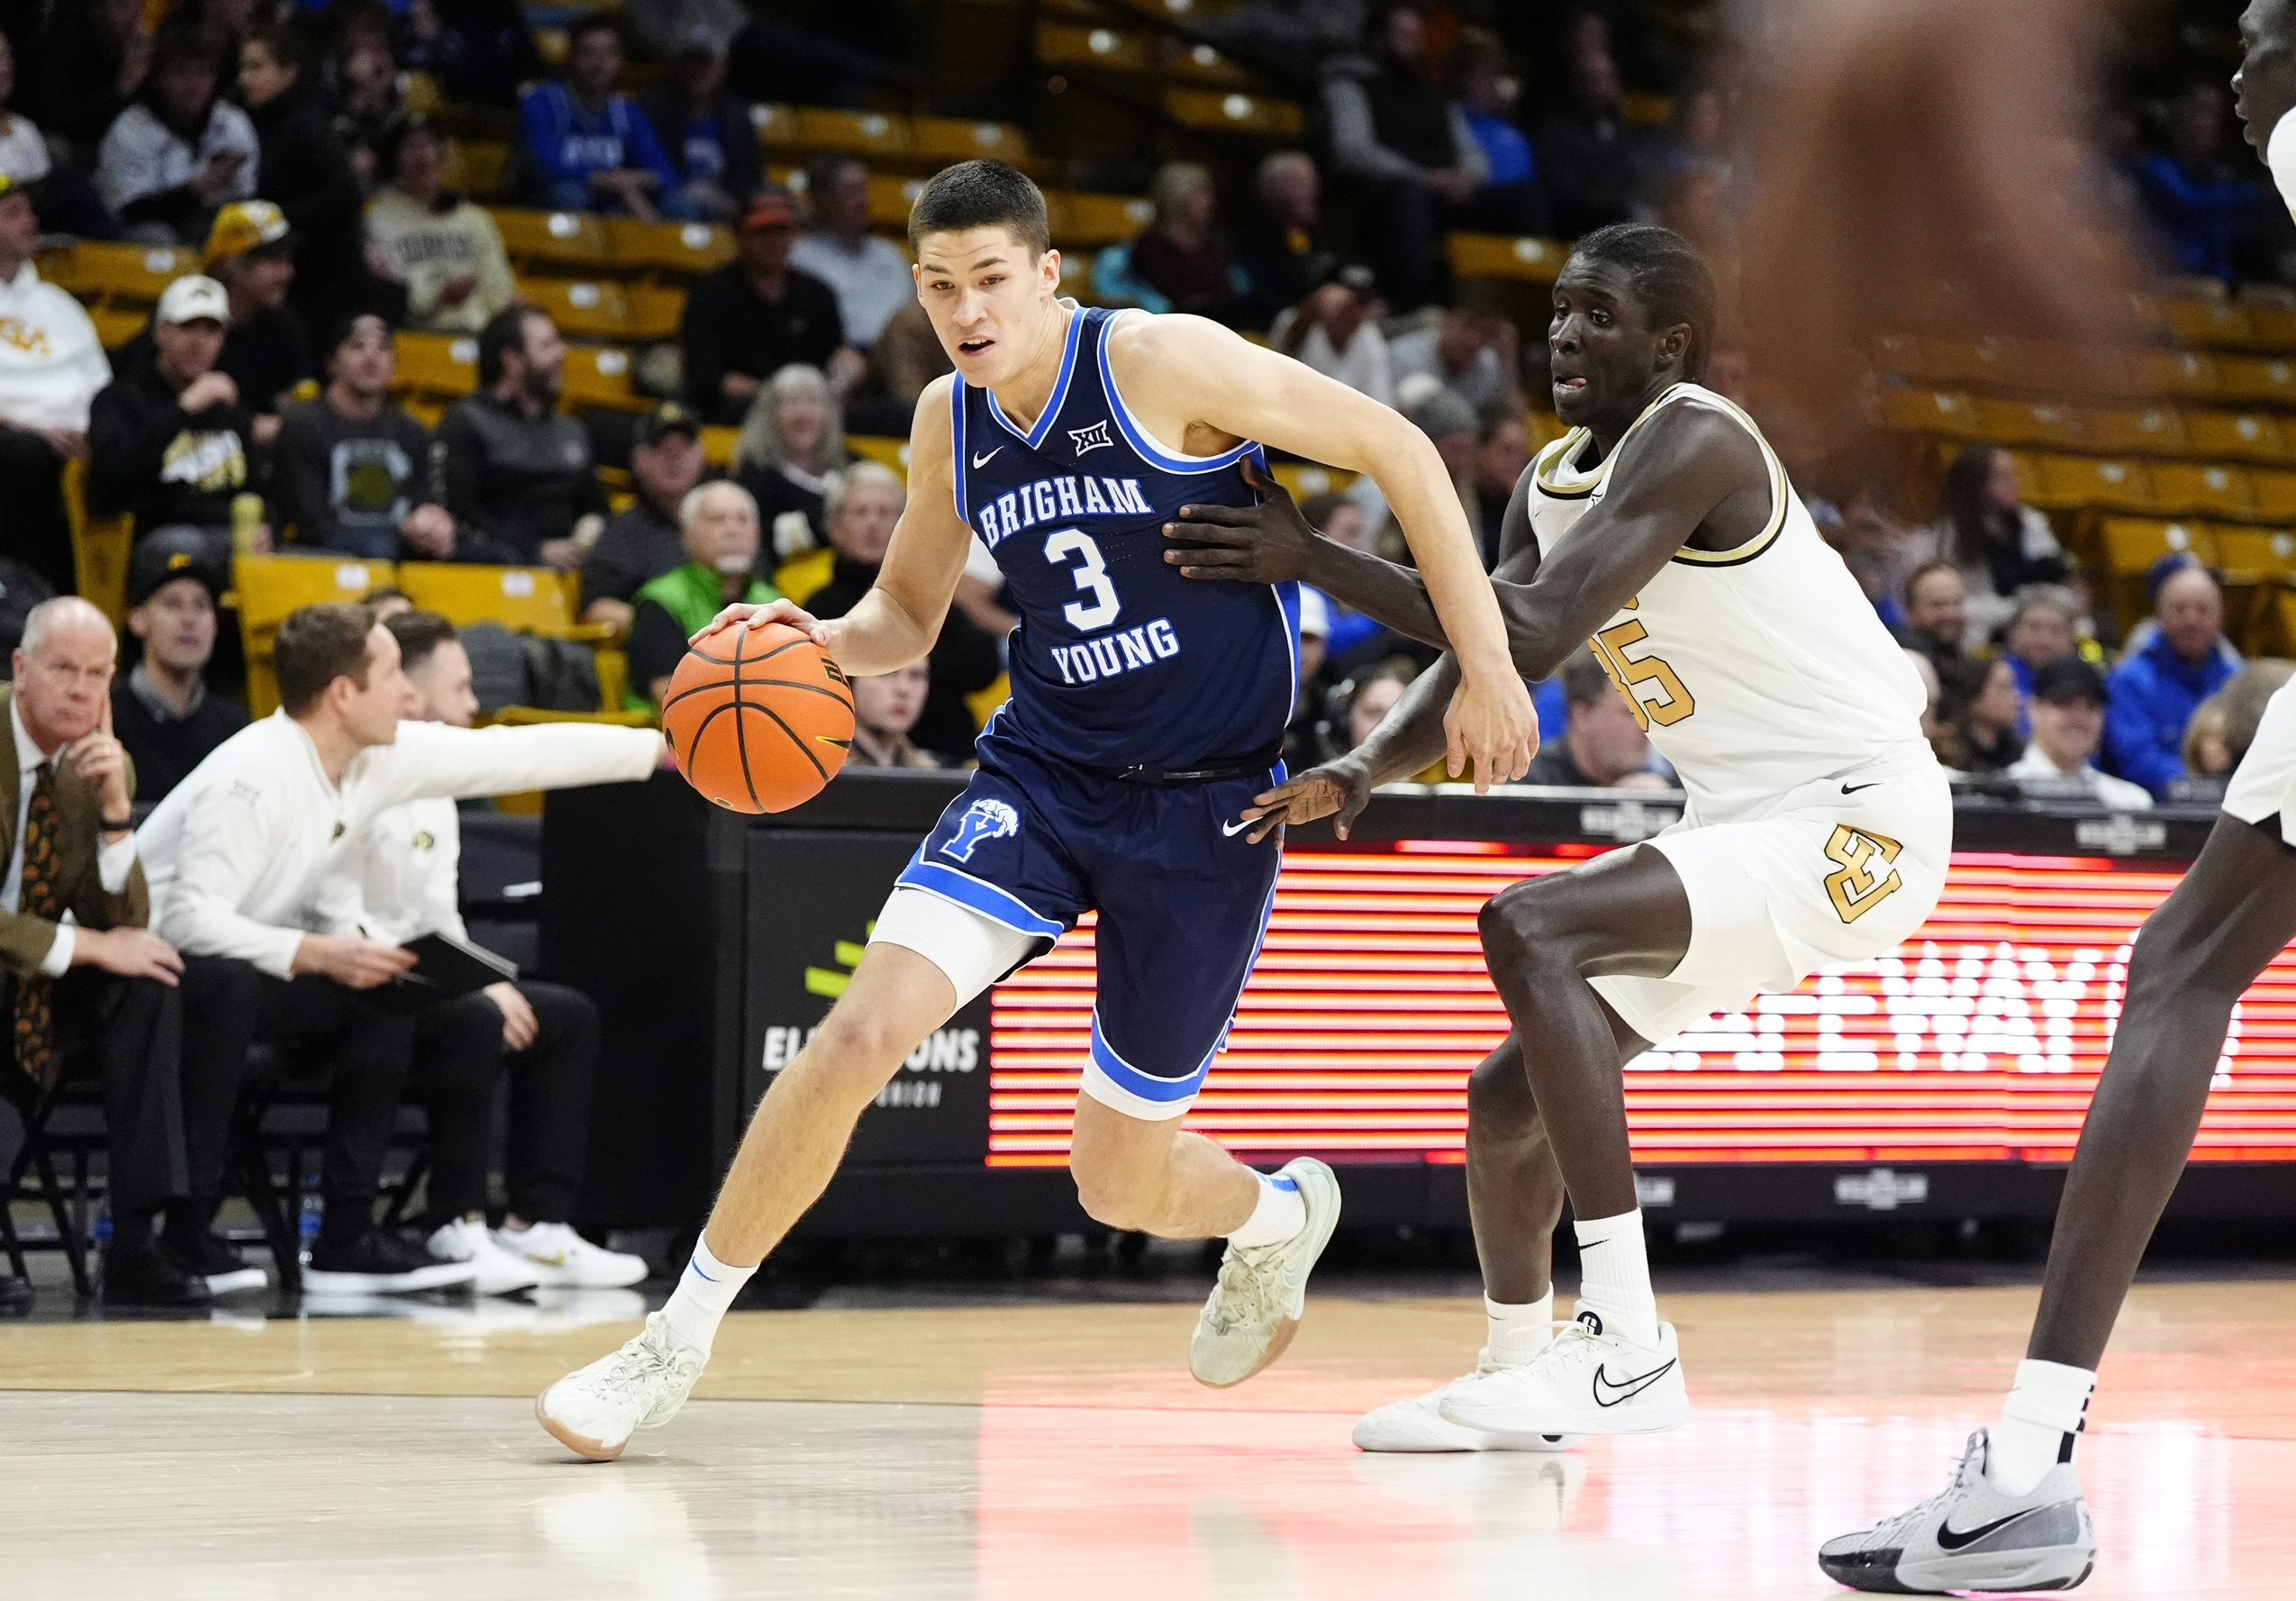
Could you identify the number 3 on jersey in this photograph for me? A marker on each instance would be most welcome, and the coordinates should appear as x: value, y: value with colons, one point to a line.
x: 1630, y: 672
x: 1092, y: 578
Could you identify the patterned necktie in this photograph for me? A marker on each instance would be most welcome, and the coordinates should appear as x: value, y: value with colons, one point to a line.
x: 35, y: 1019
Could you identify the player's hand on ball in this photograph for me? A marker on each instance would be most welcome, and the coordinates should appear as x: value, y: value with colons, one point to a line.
x: 773, y: 611
x: 1493, y: 727
x: 1338, y: 786
x: 1266, y: 543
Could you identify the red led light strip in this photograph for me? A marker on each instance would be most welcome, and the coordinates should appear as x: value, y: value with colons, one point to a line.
x: 1979, y: 1040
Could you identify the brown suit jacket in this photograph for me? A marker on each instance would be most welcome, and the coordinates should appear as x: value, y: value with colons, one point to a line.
x: 24, y: 941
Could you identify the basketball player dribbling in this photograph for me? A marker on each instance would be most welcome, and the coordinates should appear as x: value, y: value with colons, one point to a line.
x: 1146, y: 712
x: 1662, y: 528
x: 2014, y: 1517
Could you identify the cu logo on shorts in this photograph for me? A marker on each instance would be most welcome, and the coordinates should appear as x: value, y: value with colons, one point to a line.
x: 983, y: 820
x: 1865, y: 877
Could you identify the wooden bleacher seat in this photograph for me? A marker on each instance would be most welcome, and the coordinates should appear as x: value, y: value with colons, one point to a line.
x: 652, y: 311
x: 2275, y: 492
x: 2188, y: 374
x: 2239, y: 436
x: 2030, y: 422
x: 2202, y: 489
x: 2258, y: 380
x: 1953, y: 362
x: 2151, y: 431
x: 584, y: 307
x: 570, y: 239
x: 885, y: 448
x: 890, y: 198
x: 115, y: 325
x: 954, y: 138
x: 2131, y: 545
x: 100, y: 548
x: 685, y: 248
x: 1503, y: 256
x: 863, y: 133
x: 2210, y: 324
x: 536, y: 600
x: 2251, y: 555
x: 717, y: 445
x: 776, y: 124
x: 1101, y: 49
x: 129, y: 274
x: 2272, y: 324
x: 271, y: 586
x: 599, y: 375
x: 2068, y: 483
x: 441, y: 364
x: 1941, y: 412
x: 475, y: 166
x: 1234, y: 113
x: 1086, y: 222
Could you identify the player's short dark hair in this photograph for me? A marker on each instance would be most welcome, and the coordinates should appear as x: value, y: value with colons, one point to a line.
x: 981, y: 194
x: 418, y: 633
x: 316, y: 646
x: 1585, y: 681
x: 504, y: 331
x: 1670, y: 279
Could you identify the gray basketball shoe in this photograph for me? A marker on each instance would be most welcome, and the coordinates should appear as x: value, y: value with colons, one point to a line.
x: 1972, y: 1537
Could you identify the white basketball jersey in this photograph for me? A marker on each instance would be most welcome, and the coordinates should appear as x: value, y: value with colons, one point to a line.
x: 1756, y: 670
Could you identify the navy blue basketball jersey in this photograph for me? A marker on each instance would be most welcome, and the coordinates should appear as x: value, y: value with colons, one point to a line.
x: 1119, y: 662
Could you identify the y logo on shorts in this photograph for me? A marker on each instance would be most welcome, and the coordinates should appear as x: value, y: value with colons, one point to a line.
x: 983, y: 820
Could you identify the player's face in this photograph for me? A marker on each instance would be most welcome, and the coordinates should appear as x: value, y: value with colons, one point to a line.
x: 1602, y: 352
x: 987, y: 295
x: 2265, y: 87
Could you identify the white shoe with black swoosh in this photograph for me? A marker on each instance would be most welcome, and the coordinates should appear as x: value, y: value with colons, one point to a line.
x: 1585, y: 1382
x: 1973, y: 1537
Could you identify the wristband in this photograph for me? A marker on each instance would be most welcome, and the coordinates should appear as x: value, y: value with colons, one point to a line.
x: 116, y: 825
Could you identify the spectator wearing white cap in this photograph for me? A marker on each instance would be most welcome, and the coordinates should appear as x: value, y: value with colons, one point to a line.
x: 168, y: 442
x: 51, y: 365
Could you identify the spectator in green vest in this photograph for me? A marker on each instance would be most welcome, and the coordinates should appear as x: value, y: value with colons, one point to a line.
x: 718, y: 523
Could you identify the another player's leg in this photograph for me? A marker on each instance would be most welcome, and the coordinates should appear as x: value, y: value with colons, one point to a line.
x: 2233, y: 913
x: 1515, y: 1198
x: 1616, y: 1370
x: 792, y: 1148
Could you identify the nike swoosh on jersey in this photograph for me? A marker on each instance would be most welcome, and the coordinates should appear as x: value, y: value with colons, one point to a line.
x: 980, y: 462
x: 1629, y: 1389
x: 1952, y: 1539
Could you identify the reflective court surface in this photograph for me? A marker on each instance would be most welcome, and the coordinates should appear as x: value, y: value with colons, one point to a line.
x: 1025, y: 1450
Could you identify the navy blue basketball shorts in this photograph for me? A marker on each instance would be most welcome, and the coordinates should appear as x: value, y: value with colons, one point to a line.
x: 1182, y: 895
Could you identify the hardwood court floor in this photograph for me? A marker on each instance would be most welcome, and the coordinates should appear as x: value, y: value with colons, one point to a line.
x: 1015, y: 1452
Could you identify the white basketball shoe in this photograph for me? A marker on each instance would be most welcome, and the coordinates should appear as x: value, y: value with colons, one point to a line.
x: 1257, y: 1304
x: 1585, y: 1382
x: 561, y: 1258
x: 594, y: 1412
x: 498, y: 1272
x: 1418, y: 1424
x: 1972, y: 1537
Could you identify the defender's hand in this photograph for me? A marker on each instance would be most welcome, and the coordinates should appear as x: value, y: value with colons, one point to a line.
x: 1266, y: 543
x: 1494, y: 728
x: 1339, y: 786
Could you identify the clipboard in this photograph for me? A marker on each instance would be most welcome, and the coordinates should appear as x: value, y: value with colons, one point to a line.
x: 445, y: 968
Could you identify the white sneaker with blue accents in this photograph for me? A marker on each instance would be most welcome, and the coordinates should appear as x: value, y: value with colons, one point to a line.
x: 1261, y: 1295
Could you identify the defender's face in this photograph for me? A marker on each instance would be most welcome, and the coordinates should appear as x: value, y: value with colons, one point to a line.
x: 2262, y: 87
x: 987, y: 294
x: 1603, y: 353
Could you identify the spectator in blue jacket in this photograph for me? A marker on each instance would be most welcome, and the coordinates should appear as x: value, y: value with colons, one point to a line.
x: 2157, y: 689
x: 2195, y: 198
x: 586, y: 147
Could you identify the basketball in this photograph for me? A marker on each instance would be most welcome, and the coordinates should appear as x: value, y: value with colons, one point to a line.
x: 759, y: 718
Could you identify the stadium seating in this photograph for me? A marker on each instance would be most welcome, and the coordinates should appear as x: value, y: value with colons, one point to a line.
x: 269, y: 587
x: 100, y: 548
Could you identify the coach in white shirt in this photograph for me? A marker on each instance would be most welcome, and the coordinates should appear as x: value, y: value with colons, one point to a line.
x: 399, y: 879
x: 236, y: 856
x: 2068, y: 713
x: 52, y: 364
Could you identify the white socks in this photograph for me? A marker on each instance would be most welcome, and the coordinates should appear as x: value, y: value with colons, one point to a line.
x: 1614, y: 1277
x: 2045, y: 1405
x: 1517, y: 1333
x: 705, y: 1291
x: 1276, y: 1216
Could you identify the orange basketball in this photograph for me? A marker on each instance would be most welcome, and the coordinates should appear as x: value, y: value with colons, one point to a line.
x: 759, y: 718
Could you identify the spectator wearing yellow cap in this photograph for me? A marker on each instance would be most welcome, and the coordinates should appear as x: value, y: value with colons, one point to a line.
x: 168, y: 440
x: 252, y: 253
x: 180, y: 150
x: 162, y: 712
x: 51, y: 365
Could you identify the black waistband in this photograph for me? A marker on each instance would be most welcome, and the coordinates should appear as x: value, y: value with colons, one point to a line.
x: 1208, y: 772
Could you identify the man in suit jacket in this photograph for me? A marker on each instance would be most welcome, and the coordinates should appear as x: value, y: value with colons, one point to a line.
x: 101, y: 980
